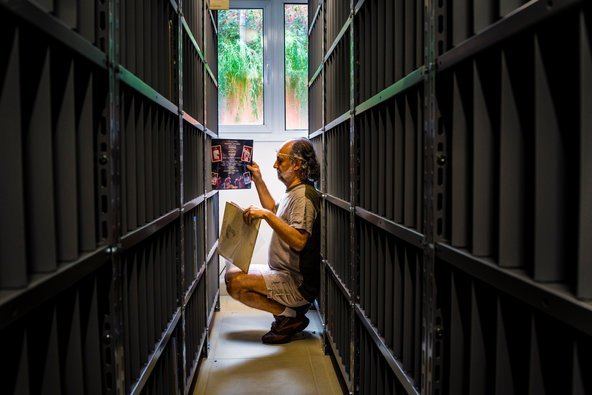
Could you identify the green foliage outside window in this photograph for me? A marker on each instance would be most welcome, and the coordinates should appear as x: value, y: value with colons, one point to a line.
x: 296, y: 64
x: 240, y: 66
x: 240, y: 57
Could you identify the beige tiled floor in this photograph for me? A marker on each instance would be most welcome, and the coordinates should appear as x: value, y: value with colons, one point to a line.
x: 238, y: 363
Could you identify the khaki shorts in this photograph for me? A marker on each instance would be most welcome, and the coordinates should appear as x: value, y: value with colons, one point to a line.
x: 282, y: 288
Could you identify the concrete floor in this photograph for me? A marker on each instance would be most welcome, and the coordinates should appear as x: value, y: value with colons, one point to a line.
x: 238, y: 363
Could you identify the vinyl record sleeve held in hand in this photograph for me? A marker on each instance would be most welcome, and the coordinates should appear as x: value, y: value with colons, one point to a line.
x: 237, y: 238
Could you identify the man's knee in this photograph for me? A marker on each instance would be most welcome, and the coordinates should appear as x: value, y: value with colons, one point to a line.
x: 234, y: 285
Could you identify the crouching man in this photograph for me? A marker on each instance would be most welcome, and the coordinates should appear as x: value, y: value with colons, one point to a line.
x: 292, y: 280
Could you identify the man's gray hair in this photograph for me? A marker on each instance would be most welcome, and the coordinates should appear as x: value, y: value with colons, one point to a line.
x: 303, y: 150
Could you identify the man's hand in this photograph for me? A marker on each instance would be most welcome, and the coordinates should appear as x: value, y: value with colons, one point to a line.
x: 255, y: 172
x: 253, y: 213
x: 264, y: 196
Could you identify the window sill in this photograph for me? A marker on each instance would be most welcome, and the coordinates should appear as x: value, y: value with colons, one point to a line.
x: 263, y: 137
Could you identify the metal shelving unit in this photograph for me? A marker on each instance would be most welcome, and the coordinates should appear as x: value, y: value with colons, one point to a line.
x: 108, y: 270
x: 468, y: 193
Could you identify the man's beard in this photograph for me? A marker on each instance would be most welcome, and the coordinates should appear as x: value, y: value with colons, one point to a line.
x: 284, y: 176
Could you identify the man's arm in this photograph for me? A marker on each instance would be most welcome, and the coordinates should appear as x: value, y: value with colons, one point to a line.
x: 264, y: 196
x: 296, y: 238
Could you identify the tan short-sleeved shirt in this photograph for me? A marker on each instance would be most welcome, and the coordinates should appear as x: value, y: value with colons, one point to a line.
x: 300, y: 208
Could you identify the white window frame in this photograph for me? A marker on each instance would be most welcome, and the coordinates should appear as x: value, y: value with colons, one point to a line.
x: 274, y: 114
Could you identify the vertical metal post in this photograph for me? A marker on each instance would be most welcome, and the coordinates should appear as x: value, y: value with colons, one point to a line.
x: 430, y: 331
x: 324, y: 179
x: 175, y: 367
x: 182, y: 241
x: 352, y: 199
x: 180, y: 111
x: 205, y: 19
x: 115, y: 294
x: 438, y: 163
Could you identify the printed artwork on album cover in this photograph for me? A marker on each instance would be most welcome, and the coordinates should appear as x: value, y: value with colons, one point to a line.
x: 229, y: 163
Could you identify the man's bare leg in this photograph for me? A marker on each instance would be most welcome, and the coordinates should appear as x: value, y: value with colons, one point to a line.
x: 261, y: 302
x: 250, y: 289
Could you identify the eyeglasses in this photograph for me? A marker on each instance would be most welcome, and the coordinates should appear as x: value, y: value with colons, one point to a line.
x: 279, y: 154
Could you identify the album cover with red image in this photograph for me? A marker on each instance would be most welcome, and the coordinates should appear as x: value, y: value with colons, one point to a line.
x: 229, y: 163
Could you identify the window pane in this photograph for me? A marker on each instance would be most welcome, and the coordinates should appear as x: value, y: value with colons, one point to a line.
x: 240, y: 66
x: 296, y: 66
